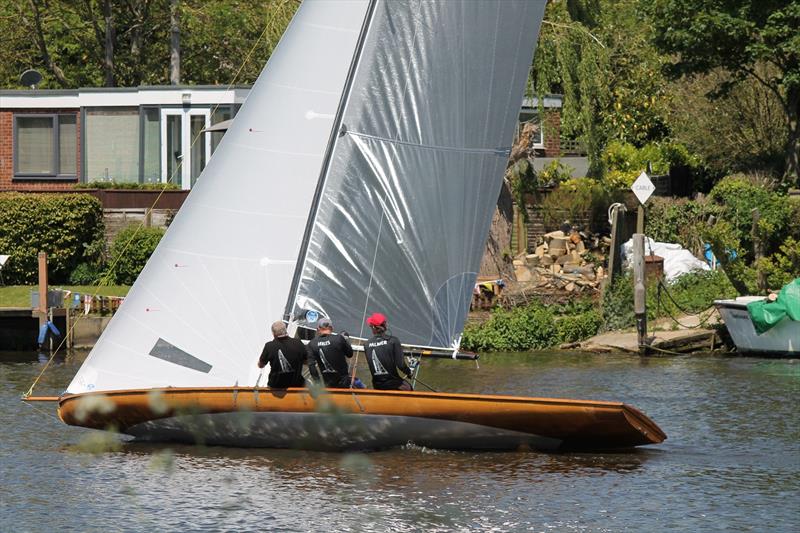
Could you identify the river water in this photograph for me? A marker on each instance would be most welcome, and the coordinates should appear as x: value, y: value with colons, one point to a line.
x: 731, y: 462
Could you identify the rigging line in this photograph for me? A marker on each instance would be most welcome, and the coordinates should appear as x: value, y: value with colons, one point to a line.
x: 493, y: 151
x: 149, y: 210
x: 45, y: 413
x: 366, y: 300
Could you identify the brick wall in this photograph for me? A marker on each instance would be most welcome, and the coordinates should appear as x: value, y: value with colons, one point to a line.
x: 552, y: 133
x: 7, y: 181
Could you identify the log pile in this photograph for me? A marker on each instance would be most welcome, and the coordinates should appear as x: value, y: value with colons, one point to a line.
x: 566, y: 263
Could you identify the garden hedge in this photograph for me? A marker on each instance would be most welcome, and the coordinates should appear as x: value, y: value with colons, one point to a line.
x: 69, y: 227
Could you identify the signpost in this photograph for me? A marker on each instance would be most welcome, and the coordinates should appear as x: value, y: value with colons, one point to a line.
x: 643, y: 188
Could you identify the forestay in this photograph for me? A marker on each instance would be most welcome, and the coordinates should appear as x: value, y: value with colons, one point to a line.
x: 407, y: 200
x: 199, y: 313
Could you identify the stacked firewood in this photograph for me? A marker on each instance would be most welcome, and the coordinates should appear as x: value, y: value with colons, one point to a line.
x: 570, y: 262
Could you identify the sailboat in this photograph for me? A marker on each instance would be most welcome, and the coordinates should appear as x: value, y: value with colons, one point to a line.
x: 360, y: 175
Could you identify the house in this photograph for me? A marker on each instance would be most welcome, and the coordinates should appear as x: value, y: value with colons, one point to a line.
x: 548, y: 142
x: 53, y: 139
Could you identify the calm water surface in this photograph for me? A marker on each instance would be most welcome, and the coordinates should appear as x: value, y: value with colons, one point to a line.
x: 732, y: 461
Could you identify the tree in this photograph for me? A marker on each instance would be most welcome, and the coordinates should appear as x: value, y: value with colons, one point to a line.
x: 597, y: 53
x: 743, y: 131
x: 90, y: 43
x: 748, y: 39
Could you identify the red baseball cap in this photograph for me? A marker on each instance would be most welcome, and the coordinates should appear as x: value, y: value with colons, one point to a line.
x: 376, y: 319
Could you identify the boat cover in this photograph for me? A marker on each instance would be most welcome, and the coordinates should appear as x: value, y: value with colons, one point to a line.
x: 765, y: 314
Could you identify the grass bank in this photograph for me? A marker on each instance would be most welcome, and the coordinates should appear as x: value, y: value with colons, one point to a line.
x: 20, y: 295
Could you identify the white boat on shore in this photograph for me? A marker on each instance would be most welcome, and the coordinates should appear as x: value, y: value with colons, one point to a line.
x: 783, y: 340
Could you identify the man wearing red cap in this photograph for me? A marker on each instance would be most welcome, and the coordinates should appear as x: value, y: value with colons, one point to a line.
x: 385, y: 357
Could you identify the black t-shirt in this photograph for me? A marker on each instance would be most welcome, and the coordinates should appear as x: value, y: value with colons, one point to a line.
x: 385, y: 357
x: 285, y: 356
x: 330, y: 353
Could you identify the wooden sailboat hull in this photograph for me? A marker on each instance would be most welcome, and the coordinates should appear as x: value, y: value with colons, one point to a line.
x: 340, y: 419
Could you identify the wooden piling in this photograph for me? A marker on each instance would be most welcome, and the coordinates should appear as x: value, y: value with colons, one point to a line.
x: 639, y: 292
x: 758, y: 251
x: 42, y: 310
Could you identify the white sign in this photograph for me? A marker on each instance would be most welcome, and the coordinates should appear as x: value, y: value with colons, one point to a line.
x: 643, y: 187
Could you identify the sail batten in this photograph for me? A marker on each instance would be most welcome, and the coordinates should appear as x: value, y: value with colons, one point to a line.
x: 501, y: 152
x: 417, y: 167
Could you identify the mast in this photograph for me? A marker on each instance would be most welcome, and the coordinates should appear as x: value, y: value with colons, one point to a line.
x: 336, y: 132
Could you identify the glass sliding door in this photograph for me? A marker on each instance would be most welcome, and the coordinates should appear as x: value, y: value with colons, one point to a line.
x: 199, y: 140
x: 184, y: 149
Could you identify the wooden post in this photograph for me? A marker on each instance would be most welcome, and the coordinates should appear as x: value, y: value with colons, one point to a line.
x: 68, y: 331
x: 639, y: 292
x: 613, y: 252
x: 640, y: 219
x: 758, y: 250
x: 42, y: 289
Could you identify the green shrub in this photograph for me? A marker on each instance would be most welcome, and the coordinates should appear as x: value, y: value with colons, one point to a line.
x: 127, y: 185
x: 524, y: 328
x: 532, y: 327
x: 579, y: 327
x: 68, y: 227
x: 783, y: 266
x: 679, y: 220
x: 575, y: 199
x: 738, y: 195
x: 130, y: 251
x: 693, y: 292
x: 86, y: 274
x: 554, y: 173
x: 617, y: 304
x: 624, y: 162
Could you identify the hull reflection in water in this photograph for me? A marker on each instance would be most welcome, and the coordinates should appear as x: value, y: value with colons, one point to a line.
x: 368, y: 419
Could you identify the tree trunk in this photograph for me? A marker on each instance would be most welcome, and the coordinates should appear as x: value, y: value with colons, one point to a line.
x: 174, y: 45
x: 139, y: 12
x: 496, y: 257
x: 42, y: 44
x: 108, y: 61
x: 793, y: 144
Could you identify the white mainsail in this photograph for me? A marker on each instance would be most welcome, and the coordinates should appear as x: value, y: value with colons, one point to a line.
x: 409, y: 191
x: 200, y: 311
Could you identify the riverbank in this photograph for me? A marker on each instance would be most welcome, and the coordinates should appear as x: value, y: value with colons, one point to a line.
x: 691, y: 333
x: 681, y: 318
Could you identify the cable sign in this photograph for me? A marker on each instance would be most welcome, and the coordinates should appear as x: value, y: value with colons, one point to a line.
x: 643, y: 188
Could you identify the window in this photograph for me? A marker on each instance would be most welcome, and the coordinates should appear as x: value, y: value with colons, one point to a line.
x: 151, y: 145
x: 532, y: 117
x: 45, y: 146
x: 220, y: 114
x: 112, y: 145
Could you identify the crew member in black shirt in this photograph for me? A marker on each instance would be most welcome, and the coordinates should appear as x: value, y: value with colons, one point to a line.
x: 330, y: 353
x: 285, y: 356
x: 385, y: 357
